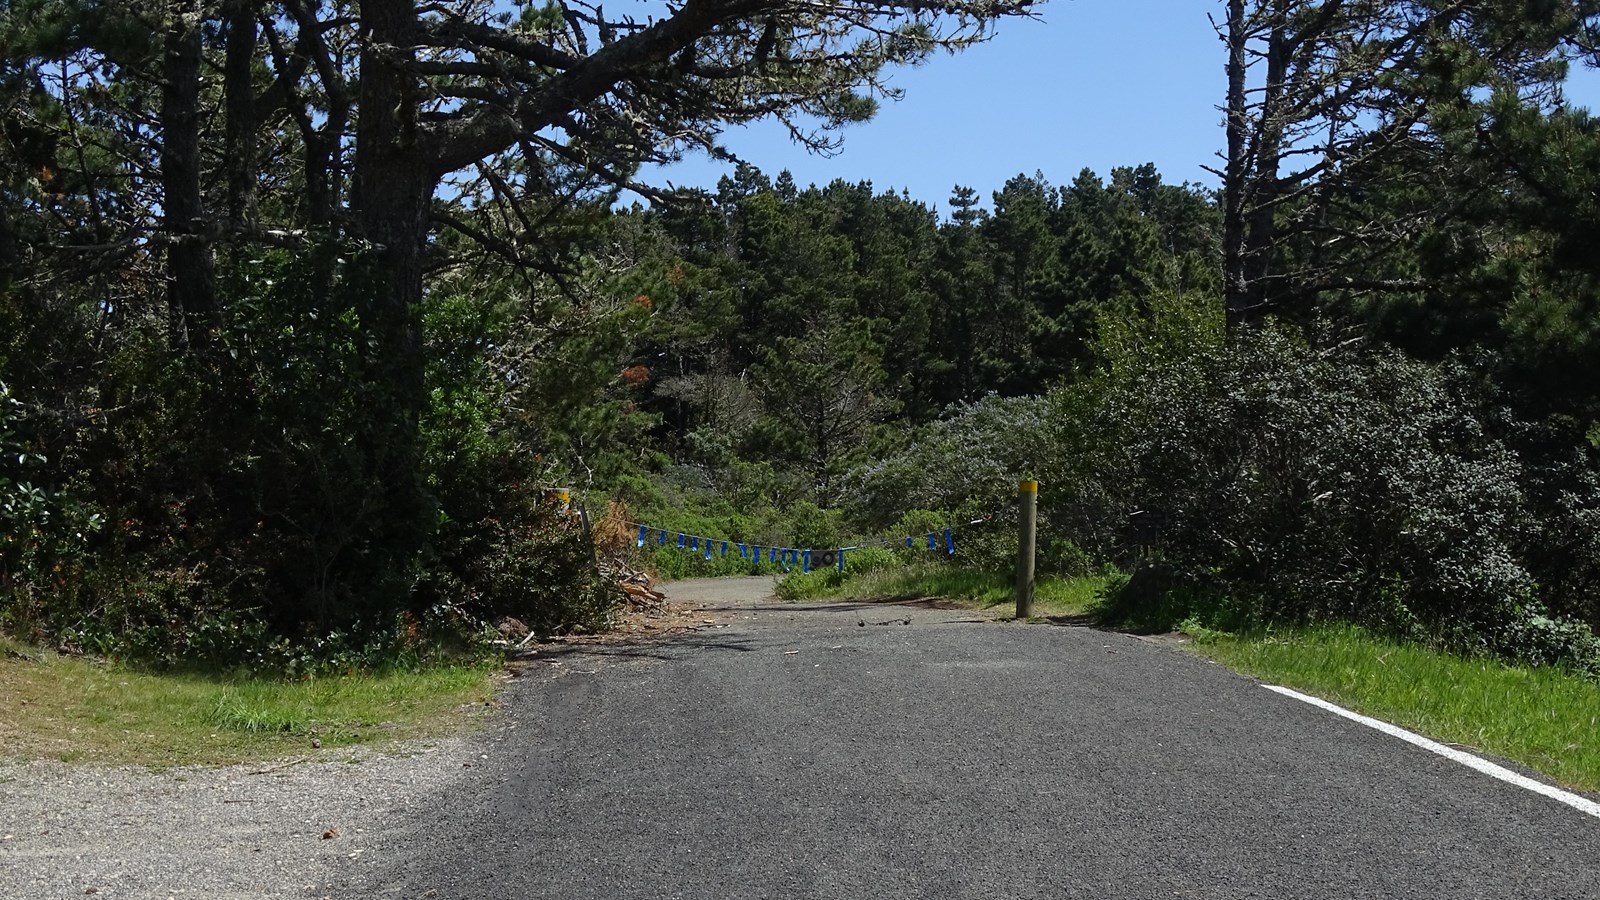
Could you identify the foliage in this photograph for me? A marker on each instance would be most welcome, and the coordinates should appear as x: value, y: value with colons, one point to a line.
x: 313, y: 324
x: 42, y: 531
x: 827, y: 582
x: 1263, y: 480
x: 1053, y: 596
x: 1337, y: 117
x: 965, y: 461
x: 246, y: 489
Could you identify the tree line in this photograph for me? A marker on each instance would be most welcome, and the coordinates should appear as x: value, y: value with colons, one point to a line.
x: 254, y: 377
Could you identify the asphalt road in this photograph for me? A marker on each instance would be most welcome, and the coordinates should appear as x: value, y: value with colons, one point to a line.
x: 834, y: 751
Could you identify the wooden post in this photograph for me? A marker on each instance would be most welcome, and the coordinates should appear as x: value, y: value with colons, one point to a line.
x: 588, y: 535
x: 1027, y: 517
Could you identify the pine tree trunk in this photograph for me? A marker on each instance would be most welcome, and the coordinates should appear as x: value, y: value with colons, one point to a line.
x: 1235, y: 285
x: 191, y: 293
x: 392, y: 196
x: 239, y: 97
x: 1261, y: 227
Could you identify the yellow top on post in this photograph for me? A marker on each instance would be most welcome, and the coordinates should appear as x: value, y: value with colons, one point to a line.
x: 1028, y: 487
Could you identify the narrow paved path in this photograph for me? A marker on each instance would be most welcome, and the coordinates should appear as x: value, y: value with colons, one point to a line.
x: 867, y: 751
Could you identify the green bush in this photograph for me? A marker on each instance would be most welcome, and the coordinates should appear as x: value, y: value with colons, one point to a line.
x: 967, y: 463
x: 1269, y: 480
x: 824, y: 582
x: 673, y: 564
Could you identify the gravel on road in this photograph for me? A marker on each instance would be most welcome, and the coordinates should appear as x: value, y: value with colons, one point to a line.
x: 280, y: 829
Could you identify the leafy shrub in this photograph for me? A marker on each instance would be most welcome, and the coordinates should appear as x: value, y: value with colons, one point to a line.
x: 968, y: 462
x: 250, y: 494
x: 1561, y: 545
x: 797, y: 585
x: 1267, y: 480
x: 43, y: 531
x: 1538, y: 639
x: 672, y: 564
x: 1155, y: 598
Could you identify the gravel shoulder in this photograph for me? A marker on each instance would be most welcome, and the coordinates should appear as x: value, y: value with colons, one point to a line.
x: 277, y: 829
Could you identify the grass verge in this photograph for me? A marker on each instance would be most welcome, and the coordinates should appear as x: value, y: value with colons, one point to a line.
x: 982, y: 590
x: 1544, y: 718
x: 76, y: 709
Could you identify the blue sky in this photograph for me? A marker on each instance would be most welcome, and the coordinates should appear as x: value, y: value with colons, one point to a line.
x: 1096, y: 84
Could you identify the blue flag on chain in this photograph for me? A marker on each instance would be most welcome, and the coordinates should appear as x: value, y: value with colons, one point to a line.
x: 949, y: 543
x: 663, y: 541
x: 724, y: 548
x: 681, y: 538
x: 841, y: 560
x: 933, y: 540
x: 642, y: 530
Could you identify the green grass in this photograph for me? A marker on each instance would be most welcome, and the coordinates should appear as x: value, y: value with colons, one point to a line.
x: 983, y: 590
x: 1546, y: 719
x: 76, y: 709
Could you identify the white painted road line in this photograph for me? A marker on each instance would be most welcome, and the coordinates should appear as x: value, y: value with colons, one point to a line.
x: 1581, y: 804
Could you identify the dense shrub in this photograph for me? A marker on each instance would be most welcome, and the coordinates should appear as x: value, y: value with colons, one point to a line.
x: 527, y: 559
x: 43, y: 530
x: 246, y: 487
x: 968, y: 462
x: 1561, y: 546
x: 1263, y: 479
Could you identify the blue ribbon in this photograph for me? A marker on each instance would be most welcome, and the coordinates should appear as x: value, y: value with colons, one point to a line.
x: 773, y: 556
x: 908, y: 541
x: 841, y: 560
x: 744, y: 552
x: 681, y: 539
x: 949, y: 543
x: 642, y: 530
x: 708, y: 548
x: 805, y: 567
x: 694, y: 543
x: 756, y: 556
x: 724, y: 548
x: 663, y: 541
x: 933, y: 540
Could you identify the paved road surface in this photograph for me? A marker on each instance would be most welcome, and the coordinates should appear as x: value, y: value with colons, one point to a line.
x: 833, y: 751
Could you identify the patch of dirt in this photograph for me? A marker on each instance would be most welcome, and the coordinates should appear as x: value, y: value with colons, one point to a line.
x: 633, y: 626
x: 1167, y: 639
